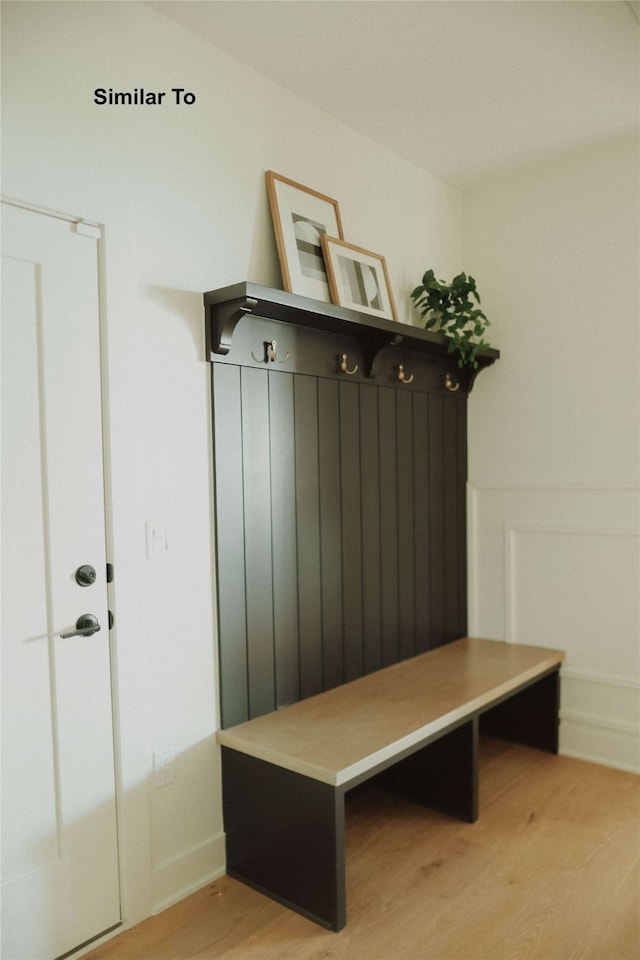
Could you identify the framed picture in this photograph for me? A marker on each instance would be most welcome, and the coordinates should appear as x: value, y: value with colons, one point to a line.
x: 358, y: 278
x: 300, y: 217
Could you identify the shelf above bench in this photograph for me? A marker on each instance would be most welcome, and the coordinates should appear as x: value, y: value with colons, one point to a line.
x: 227, y: 306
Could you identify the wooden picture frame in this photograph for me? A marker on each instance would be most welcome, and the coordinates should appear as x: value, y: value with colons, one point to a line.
x: 358, y: 278
x: 300, y: 217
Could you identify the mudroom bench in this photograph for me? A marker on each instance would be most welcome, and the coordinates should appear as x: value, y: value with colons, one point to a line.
x: 414, y: 724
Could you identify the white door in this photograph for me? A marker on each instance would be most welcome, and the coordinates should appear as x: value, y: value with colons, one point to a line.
x: 59, y: 843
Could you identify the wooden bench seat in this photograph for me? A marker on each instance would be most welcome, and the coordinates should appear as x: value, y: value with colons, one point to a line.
x: 416, y: 723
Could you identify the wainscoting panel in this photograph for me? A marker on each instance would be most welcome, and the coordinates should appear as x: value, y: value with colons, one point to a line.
x: 559, y: 567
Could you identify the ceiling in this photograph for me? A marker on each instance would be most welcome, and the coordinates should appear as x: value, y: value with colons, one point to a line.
x: 460, y: 88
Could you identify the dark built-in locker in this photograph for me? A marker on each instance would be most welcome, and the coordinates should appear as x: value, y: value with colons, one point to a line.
x: 339, y: 510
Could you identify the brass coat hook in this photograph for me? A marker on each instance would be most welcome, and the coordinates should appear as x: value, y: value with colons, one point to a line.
x: 401, y: 374
x: 270, y: 353
x: 342, y: 360
x: 449, y: 384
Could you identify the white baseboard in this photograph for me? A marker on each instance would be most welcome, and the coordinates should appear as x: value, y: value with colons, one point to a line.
x: 178, y: 877
x: 600, y: 741
x: 612, y: 752
x: 599, y: 719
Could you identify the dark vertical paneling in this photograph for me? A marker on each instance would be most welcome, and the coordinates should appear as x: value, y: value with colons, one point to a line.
x: 308, y: 534
x: 227, y: 440
x: 421, y: 520
x: 406, y: 549
x: 351, y: 529
x: 283, y: 533
x: 461, y: 451
x: 436, y: 521
x: 388, y: 524
x: 449, y: 557
x: 341, y: 526
x: 370, y: 520
x: 257, y: 538
x: 330, y: 532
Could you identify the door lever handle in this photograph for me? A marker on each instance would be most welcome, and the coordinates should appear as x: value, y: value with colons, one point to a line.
x: 86, y: 626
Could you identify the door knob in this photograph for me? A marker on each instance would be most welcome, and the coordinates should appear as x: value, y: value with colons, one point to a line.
x: 86, y: 626
x: 86, y: 575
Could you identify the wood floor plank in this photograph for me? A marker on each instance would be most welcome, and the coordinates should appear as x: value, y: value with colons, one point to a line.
x: 548, y: 872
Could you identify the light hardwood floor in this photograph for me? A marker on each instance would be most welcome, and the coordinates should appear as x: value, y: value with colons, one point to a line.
x: 549, y: 871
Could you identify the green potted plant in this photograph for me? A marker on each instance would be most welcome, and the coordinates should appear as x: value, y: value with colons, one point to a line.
x: 451, y: 309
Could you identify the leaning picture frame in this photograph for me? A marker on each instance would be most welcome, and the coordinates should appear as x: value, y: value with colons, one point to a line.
x: 300, y: 217
x: 358, y: 278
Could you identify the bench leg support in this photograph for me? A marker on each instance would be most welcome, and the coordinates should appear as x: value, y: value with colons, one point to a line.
x: 285, y: 836
x: 442, y: 775
x: 529, y: 716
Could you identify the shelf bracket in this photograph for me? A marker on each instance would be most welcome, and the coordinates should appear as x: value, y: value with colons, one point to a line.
x: 371, y: 343
x: 466, y: 377
x: 223, y: 320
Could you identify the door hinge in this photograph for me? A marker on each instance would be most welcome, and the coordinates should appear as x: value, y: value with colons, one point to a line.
x: 109, y: 573
x: 111, y: 620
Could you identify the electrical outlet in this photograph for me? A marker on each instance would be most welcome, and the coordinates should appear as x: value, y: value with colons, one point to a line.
x: 163, y: 773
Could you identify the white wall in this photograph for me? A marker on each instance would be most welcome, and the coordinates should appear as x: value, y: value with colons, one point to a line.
x: 554, y: 431
x: 180, y: 191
